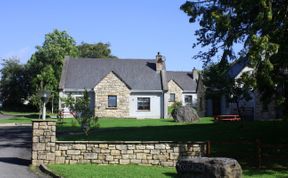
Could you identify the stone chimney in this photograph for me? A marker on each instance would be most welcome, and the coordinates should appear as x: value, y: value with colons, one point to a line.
x: 195, y: 74
x: 160, y: 62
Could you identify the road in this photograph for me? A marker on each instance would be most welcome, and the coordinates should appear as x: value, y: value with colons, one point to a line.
x: 15, y: 152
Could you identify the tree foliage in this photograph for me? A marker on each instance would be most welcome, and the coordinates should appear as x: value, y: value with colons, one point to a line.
x: 45, y: 65
x: 219, y: 83
x: 97, y: 50
x: 43, y: 70
x: 259, y: 25
x: 13, y: 84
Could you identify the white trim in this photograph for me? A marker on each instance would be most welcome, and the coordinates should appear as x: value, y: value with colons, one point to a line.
x: 149, y: 91
x: 73, y: 89
x: 189, y: 91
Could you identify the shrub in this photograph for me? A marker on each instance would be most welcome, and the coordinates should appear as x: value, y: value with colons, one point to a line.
x: 82, y: 113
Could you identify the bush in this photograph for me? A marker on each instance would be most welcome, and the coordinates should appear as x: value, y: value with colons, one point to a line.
x: 174, y: 106
x: 82, y: 113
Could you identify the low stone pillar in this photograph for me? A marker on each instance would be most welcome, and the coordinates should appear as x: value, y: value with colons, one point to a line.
x: 203, y: 167
x: 43, y: 141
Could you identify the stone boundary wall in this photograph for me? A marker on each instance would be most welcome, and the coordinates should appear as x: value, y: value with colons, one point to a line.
x: 46, y: 150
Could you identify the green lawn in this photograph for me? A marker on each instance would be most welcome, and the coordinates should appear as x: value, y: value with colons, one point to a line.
x: 231, y: 133
x: 131, y: 171
x: 167, y: 129
x: 21, y: 120
x: 19, y: 117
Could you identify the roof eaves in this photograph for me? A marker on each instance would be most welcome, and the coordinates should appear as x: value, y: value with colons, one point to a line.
x: 64, y: 73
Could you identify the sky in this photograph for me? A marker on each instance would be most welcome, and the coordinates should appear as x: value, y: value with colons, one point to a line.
x: 134, y: 29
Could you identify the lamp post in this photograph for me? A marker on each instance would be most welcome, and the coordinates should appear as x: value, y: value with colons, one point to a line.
x: 44, y: 95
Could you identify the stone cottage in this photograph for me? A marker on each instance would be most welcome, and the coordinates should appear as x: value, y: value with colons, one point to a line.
x: 250, y: 110
x: 127, y: 88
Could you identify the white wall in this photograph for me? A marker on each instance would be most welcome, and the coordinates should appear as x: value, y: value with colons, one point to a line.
x: 155, y: 105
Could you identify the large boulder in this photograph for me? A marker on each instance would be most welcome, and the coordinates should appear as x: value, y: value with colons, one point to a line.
x: 185, y: 114
x: 203, y: 167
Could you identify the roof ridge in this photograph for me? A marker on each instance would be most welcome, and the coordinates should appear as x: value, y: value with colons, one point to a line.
x: 114, y: 59
x: 180, y: 71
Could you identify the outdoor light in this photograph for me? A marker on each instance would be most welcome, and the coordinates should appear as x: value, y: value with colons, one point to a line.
x: 44, y: 95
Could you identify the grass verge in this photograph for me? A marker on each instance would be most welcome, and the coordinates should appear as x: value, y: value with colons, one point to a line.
x: 131, y: 171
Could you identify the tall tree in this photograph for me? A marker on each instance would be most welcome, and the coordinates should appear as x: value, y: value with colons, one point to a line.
x: 259, y: 25
x: 98, y: 50
x: 13, y: 84
x: 46, y: 63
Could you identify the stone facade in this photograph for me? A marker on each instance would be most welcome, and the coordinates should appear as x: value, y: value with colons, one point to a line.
x: 111, y: 85
x: 174, y: 88
x: 46, y: 150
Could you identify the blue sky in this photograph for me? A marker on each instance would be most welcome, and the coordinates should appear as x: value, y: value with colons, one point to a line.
x: 135, y: 29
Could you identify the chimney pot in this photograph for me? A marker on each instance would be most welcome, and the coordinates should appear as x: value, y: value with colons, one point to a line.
x: 160, y: 62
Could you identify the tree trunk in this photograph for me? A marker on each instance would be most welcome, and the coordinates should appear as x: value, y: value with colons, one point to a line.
x: 238, y: 109
x: 52, y: 107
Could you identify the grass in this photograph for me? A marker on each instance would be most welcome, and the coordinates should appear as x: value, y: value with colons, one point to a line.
x: 116, y: 122
x: 6, y: 112
x: 19, y: 117
x: 228, y: 139
x: 131, y: 171
x: 22, y: 120
x: 167, y: 129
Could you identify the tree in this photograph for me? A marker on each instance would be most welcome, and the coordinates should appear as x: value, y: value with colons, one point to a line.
x: 13, y: 84
x: 81, y: 112
x: 219, y: 83
x: 260, y: 26
x: 46, y: 63
x: 98, y: 50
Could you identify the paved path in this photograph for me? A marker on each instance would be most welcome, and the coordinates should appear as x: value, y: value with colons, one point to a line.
x: 15, y: 152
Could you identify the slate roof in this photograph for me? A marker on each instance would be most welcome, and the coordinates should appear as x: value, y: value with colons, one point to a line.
x: 183, y: 79
x: 86, y: 73
x: 237, y: 67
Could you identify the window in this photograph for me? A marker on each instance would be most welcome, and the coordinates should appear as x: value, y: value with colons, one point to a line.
x: 112, y: 101
x: 172, y: 97
x: 188, y: 100
x: 143, y: 103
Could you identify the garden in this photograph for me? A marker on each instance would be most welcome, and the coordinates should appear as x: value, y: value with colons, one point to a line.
x: 239, y: 140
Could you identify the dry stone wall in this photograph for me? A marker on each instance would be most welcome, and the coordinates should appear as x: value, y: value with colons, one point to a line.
x: 46, y: 150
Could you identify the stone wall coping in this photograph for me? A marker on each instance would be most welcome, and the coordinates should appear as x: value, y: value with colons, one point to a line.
x: 41, y: 120
x: 131, y: 142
